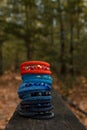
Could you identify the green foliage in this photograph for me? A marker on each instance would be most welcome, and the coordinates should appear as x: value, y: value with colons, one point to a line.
x: 29, y: 33
x: 10, y: 49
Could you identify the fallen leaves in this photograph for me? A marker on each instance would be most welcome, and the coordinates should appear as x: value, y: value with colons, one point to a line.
x: 8, y: 98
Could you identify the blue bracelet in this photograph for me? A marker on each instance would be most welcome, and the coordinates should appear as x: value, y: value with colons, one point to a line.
x: 34, y: 93
x: 27, y: 102
x: 37, y: 98
x: 36, y: 76
x: 34, y: 109
x: 35, y: 115
x: 37, y: 84
x: 38, y: 105
x: 26, y: 88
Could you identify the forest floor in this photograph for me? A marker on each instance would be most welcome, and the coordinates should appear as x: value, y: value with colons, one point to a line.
x: 10, y: 82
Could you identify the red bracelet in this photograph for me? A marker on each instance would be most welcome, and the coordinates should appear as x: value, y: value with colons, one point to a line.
x: 35, y: 67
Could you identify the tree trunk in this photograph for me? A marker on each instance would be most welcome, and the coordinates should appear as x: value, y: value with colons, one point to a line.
x: 62, y: 55
x: 78, y: 33
x: 16, y: 67
x: 28, y: 33
x: 52, y: 35
x: 1, y: 59
x: 71, y: 70
x: 62, y: 41
x: 78, y: 30
x: 28, y: 48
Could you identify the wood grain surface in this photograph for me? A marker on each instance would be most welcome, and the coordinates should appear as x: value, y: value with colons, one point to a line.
x: 64, y: 119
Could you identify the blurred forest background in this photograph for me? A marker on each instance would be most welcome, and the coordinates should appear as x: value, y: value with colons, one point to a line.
x: 50, y: 30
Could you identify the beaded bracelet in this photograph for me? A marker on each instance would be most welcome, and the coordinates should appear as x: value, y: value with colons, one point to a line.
x: 37, y: 109
x: 34, y: 67
x: 27, y: 77
x: 23, y: 105
x: 27, y: 102
x: 35, y: 86
x: 33, y: 93
x: 35, y: 115
x: 37, y: 98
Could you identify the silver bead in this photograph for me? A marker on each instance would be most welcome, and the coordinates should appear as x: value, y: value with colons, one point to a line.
x: 39, y: 94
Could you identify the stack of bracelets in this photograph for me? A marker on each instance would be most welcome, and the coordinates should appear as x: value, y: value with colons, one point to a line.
x: 35, y: 90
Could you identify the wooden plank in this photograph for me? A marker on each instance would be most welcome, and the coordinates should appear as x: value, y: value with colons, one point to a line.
x: 64, y: 119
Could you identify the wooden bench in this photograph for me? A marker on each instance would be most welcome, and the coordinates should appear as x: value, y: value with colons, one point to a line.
x: 64, y: 119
